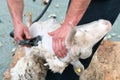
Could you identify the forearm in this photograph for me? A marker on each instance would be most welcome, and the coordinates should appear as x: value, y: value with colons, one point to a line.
x: 16, y: 10
x: 76, y: 11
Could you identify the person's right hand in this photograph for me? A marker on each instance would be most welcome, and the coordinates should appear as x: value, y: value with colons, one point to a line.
x: 21, y: 32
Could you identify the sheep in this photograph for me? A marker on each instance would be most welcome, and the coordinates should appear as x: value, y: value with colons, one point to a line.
x: 79, y: 43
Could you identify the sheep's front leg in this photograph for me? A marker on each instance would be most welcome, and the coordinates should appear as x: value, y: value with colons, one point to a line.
x: 78, y: 67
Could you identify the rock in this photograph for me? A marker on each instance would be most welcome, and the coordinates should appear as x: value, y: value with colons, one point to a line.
x: 105, y: 64
x: 109, y: 37
x: 13, y: 51
x: 57, y: 6
x: 45, y: 2
x: 52, y: 16
x: 118, y: 36
x: 113, y: 34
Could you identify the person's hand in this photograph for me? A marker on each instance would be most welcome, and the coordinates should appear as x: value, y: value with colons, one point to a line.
x: 21, y: 32
x: 58, y: 40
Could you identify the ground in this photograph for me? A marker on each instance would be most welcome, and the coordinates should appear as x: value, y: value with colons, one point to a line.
x: 58, y: 7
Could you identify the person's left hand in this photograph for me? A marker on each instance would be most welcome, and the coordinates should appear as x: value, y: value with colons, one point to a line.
x: 58, y: 40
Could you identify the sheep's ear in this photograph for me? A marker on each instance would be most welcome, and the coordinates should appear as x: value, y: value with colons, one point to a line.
x: 71, y: 34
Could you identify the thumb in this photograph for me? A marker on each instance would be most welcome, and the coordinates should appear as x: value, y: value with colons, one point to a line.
x: 27, y: 34
x: 51, y: 33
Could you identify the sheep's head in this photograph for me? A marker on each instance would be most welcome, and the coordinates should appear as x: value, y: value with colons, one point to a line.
x: 82, y: 38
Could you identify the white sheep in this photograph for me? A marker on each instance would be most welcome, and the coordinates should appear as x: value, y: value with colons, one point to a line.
x: 79, y: 43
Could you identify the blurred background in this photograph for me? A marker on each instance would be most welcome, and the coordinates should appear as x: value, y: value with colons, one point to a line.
x: 57, y: 8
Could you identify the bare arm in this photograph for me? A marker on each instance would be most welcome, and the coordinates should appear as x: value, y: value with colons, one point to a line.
x: 16, y: 10
x: 75, y: 12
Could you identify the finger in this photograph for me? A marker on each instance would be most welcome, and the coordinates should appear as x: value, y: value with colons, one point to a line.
x: 64, y: 48
x: 56, y: 48
x: 60, y: 49
x: 17, y: 39
x: 27, y: 34
x: 65, y: 51
x: 50, y: 33
x: 53, y: 45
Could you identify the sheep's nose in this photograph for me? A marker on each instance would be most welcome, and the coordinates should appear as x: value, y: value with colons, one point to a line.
x: 107, y: 23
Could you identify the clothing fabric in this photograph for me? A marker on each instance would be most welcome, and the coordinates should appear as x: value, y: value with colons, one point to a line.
x: 98, y: 9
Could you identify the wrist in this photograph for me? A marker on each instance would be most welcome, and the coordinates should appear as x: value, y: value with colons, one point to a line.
x: 17, y: 22
x: 72, y: 20
x: 70, y: 23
